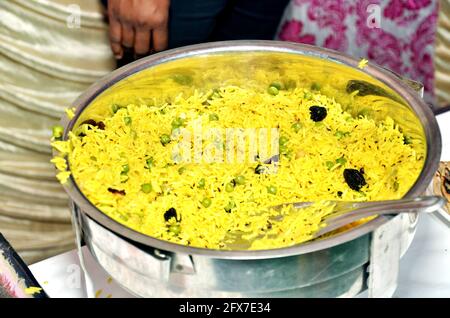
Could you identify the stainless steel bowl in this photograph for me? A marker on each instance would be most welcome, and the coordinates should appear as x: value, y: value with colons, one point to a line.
x: 334, y: 266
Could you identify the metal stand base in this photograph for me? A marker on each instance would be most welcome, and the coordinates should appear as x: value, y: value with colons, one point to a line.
x: 388, y: 245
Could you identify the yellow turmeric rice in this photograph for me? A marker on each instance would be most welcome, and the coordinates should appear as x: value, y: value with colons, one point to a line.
x: 125, y: 165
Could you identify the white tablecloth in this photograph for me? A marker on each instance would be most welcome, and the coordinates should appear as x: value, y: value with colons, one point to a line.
x: 424, y: 270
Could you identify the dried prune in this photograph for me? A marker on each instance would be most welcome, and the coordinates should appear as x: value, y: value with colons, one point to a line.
x: 171, y: 213
x: 354, y: 179
x: 318, y: 113
x: 115, y: 191
x: 99, y: 125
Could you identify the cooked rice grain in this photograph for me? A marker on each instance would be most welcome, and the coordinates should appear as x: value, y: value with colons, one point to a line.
x: 318, y: 153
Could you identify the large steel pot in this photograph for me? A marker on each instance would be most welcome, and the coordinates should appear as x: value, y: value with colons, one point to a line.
x: 335, y: 266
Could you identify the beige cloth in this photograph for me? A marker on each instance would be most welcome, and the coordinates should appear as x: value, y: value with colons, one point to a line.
x: 45, y: 63
x: 442, y: 55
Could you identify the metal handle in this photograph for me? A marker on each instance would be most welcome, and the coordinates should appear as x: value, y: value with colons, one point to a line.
x: 419, y: 88
x: 428, y: 204
x: 415, y: 85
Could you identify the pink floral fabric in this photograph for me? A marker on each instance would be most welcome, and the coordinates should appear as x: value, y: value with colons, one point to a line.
x: 400, y: 37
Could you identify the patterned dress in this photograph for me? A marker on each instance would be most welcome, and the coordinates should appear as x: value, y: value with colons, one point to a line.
x: 396, y: 34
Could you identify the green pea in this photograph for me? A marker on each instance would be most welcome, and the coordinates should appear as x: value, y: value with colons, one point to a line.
x: 57, y: 131
x: 206, y: 202
x: 149, y: 163
x: 341, y: 134
x: 229, y: 187
x: 341, y: 160
x: 201, y: 183
x: 283, y: 149
x: 289, y: 154
x: 240, y: 180
x: 230, y: 206
x: 296, y: 127
x: 407, y: 140
x: 277, y: 85
x: 315, y: 86
x: 127, y: 120
x: 283, y: 140
x: 175, y: 229
x: 183, y: 79
x: 177, y: 122
x: 125, y: 169
x: 272, y: 190
x: 181, y: 170
x: 146, y: 187
x: 396, y: 186
x: 364, y: 112
x: 329, y: 164
x: 165, y: 139
x: 213, y: 117
x: 115, y: 108
x: 273, y: 90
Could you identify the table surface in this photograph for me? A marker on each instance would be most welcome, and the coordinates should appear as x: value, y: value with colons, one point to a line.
x: 424, y: 269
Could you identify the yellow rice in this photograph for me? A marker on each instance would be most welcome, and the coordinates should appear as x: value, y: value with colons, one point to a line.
x: 390, y: 165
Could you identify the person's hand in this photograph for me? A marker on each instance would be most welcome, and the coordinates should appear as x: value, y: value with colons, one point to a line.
x: 138, y: 24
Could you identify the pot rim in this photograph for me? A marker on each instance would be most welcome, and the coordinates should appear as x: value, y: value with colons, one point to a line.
x: 419, y: 107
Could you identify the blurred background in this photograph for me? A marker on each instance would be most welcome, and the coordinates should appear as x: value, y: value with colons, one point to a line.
x: 52, y: 50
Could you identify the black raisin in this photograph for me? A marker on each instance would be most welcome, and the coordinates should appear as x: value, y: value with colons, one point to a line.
x: 115, y: 191
x: 354, y: 179
x: 318, y: 113
x: 171, y: 213
x: 89, y: 122
x: 99, y: 125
